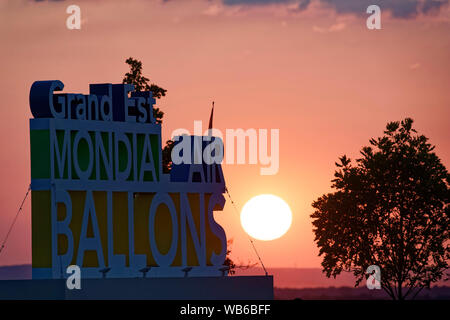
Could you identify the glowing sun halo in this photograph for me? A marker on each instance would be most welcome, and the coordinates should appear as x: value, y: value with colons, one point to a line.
x: 266, y: 217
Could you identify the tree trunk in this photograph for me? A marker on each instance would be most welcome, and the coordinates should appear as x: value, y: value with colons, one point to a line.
x: 400, y: 293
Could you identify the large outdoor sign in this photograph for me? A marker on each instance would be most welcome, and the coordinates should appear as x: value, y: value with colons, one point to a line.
x: 99, y: 197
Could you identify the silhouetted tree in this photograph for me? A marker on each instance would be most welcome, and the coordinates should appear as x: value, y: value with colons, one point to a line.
x: 232, y: 265
x: 228, y: 262
x: 391, y: 209
x: 141, y: 83
x: 167, y: 156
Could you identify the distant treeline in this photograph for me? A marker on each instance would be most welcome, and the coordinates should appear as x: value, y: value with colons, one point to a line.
x: 348, y: 293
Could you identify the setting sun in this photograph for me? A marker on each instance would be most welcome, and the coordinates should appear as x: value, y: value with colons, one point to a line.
x: 266, y: 217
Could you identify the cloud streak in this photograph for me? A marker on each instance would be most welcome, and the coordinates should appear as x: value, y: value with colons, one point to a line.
x: 333, y: 28
x: 402, y: 9
x: 405, y: 9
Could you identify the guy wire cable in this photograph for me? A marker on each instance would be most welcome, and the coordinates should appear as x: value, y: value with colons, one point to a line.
x: 251, y: 241
x: 14, y: 221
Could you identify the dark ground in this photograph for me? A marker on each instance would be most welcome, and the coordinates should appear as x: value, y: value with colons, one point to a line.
x: 348, y: 293
x: 342, y: 290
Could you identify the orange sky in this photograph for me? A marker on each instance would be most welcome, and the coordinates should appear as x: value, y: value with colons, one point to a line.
x: 321, y: 77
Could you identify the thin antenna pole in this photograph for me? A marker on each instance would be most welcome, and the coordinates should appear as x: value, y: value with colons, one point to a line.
x: 250, y: 239
x: 210, y: 126
x: 15, y: 219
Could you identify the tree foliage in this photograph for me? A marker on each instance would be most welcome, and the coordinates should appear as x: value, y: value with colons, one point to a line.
x: 228, y: 262
x: 141, y: 83
x: 232, y: 265
x: 167, y: 156
x: 391, y: 209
